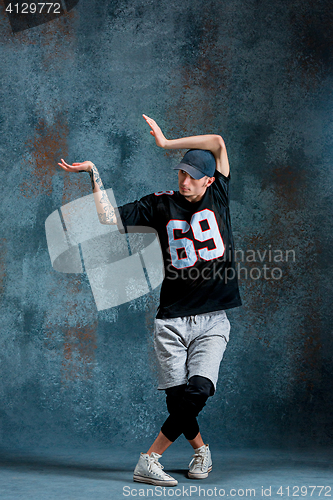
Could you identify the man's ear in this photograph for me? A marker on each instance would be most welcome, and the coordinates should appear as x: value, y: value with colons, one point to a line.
x: 210, y: 181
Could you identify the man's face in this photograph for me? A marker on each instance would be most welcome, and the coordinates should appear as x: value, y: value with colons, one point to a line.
x: 193, y: 189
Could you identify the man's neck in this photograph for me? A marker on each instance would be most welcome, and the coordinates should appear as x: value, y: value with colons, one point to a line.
x: 195, y: 199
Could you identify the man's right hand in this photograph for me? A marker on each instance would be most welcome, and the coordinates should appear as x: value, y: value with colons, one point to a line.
x: 84, y: 166
x: 156, y: 132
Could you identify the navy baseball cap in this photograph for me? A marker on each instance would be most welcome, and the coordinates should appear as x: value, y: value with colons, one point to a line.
x: 198, y: 163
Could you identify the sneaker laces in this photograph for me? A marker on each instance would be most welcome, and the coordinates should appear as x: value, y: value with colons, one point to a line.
x: 153, y: 463
x: 198, y: 459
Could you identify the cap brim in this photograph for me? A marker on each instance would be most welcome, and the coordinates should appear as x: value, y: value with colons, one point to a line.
x: 194, y: 172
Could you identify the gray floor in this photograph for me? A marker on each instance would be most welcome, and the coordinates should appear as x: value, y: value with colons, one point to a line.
x: 107, y: 474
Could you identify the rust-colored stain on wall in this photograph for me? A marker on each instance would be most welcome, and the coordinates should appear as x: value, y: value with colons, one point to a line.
x: 193, y: 110
x: 79, y: 346
x: 75, y: 322
x: 57, y: 44
x: 49, y: 141
x: 263, y: 296
x: 46, y: 146
x: 80, y: 340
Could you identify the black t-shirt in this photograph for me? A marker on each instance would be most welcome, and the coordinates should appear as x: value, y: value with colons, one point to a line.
x: 197, y: 247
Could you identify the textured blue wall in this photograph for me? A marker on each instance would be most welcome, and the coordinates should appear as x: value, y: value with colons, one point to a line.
x: 260, y: 74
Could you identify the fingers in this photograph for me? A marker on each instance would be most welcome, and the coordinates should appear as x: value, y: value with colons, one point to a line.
x: 147, y: 119
x: 73, y: 164
x: 150, y: 121
x: 67, y: 166
x: 64, y: 163
x: 152, y: 124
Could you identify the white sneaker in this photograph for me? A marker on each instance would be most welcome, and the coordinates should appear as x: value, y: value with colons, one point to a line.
x: 149, y: 470
x: 201, y: 463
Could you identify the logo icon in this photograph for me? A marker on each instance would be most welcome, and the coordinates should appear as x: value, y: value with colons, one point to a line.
x: 120, y: 267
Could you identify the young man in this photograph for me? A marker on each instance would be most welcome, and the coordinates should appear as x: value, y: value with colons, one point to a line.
x: 191, y: 326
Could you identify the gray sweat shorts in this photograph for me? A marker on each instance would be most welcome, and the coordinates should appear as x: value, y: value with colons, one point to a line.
x: 190, y: 345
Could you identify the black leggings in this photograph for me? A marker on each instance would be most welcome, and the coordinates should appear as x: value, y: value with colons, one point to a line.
x: 184, y: 402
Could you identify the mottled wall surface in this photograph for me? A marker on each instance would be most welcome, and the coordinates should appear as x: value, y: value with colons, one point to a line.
x: 260, y: 74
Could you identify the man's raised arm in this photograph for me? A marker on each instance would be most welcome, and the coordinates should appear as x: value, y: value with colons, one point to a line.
x: 105, y: 210
x: 211, y: 142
